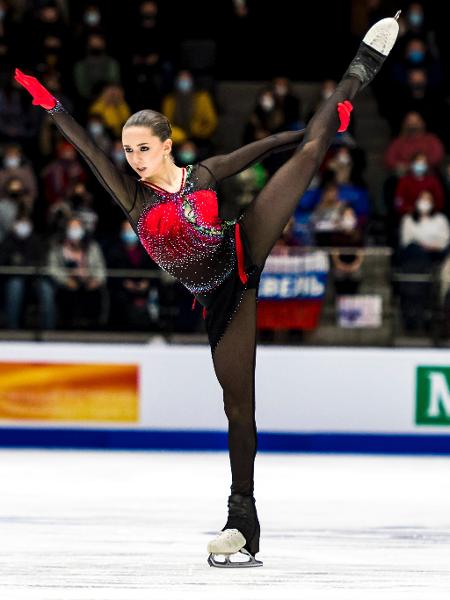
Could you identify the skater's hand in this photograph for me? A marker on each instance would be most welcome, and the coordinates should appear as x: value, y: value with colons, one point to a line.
x: 41, y: 96
x: 344, y: 109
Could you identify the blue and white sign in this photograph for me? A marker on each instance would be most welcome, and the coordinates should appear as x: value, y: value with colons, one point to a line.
x: 290, y: 276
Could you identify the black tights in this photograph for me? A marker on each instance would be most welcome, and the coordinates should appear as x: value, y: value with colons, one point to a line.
x: 264, y: 220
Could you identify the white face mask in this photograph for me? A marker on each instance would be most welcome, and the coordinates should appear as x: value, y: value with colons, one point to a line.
x: 267, y: 103
x: 343, y: 159
x: 424, y: 206
x: 75, y: 234
x: 12, y: 162
x: 348, y: 223
x: 22, y: 229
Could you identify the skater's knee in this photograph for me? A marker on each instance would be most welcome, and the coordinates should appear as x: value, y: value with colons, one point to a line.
x: 239, y: 414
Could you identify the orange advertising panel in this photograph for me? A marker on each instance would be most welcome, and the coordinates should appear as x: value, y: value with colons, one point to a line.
x: 69, y: 392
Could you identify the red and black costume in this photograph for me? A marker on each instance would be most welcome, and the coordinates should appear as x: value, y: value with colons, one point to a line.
x: 183, y: 231
x: 219, y: 261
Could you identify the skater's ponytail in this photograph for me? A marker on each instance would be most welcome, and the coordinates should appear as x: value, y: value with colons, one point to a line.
x: 157, y: 122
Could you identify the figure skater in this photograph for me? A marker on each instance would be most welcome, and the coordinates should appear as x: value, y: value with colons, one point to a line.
x: 177, y: 216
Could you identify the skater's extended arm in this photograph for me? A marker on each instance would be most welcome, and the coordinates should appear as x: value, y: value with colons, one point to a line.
x: 120, y: 186
x: 226, y: 165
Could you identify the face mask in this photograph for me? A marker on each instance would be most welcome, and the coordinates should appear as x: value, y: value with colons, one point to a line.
x: 424, y: 206
x: 22, y: 229
x: 416, y: 56
x: 343, y: 159
x: 74, y: 234
x: 348, y: 223
x: 415, y: 19
x: 92, y: 18
x: 186, y: 156
x: 11, y: 162
x: 419, y: 168
x: 128, y: 237
x: 15, y: 193
x: 281, y: 90
x: 95, y: 51
x: 184, y: 85
x: 412, y: 129
x: 95, y: 128
x: 119, y: 157
x: 267, y: 103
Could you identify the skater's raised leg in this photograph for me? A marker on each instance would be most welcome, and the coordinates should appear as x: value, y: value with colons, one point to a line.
x: 266, y: 217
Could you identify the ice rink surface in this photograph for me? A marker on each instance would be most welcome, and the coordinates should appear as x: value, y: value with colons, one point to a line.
x: 134, y: 526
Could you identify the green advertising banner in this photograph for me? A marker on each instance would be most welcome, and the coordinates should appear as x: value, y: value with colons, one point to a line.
x: 433, y: 396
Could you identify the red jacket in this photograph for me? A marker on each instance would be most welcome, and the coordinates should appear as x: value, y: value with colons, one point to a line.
x: 409, y: 187
x: 403, y: 149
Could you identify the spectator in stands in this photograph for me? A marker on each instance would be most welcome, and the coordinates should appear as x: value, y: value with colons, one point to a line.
x: 191, y: 112
x: 99, y: 133
x: 419, y: 178
x: 18, y: 122
x: 23, y: 248
x: 413, y: 138
x: 96, y: 69
x: 11, y: 204
x: 424, y: 240
x: 81, y: 203
x: 146, y: 60
x: 77, y: 268
x: 347, y: 257
x: 91, y: 23
x: 48, y: 133
x: 187, y: 153
x: 129, y: 296
x: 16, y: 166
x: 112, y: 107
x: 417, y: 26
x: 327, y: 215
x: 118, y: 155
x: 416, y: 56
x: 61, y: 173
x: 265, y: 119
x: 288, y: 103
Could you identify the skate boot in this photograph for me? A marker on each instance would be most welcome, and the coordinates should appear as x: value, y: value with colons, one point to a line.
x: 373, y: 50
x: 239, y: 536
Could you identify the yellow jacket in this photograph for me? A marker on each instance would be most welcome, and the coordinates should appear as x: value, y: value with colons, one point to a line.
x: 204, y: 119
x: 114, y: 116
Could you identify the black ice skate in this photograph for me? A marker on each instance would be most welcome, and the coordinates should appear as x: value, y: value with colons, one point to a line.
x: 239, y: 536
x: 373, y: 50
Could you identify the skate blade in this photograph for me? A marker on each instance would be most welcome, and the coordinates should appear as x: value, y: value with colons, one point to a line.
x: 238, y: 564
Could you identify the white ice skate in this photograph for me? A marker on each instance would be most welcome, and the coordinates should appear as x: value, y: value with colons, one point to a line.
x: 373, y: 50
x: 229, y: 543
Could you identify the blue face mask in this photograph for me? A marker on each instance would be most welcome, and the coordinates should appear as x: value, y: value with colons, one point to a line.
x: 419, y: 168
x: 128, y: 237
x: 187, y: 157
x: 416, y: 56
x: 415, y: 19
x: 184, y: 85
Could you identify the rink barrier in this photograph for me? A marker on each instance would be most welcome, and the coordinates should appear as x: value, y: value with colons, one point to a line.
x: 217, y: 441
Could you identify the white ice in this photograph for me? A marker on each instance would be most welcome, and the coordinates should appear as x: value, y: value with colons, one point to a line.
x: 134, y: 526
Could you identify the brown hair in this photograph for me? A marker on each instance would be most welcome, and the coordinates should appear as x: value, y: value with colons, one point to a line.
x: 157, y: 122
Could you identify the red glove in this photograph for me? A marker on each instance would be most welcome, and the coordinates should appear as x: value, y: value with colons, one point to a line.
x: 344, y: 109
x: 41, y: 96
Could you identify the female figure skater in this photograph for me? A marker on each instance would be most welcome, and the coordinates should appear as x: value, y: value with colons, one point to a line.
x: 176, y: 214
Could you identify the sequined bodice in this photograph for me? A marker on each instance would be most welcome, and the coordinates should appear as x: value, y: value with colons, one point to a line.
x: 184, y: 235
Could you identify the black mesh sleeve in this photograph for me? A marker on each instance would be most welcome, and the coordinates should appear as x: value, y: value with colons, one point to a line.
x: 122, y: 187
x: 226, y: 165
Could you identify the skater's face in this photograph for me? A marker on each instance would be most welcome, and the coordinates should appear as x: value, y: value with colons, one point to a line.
x: 145, y: 152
